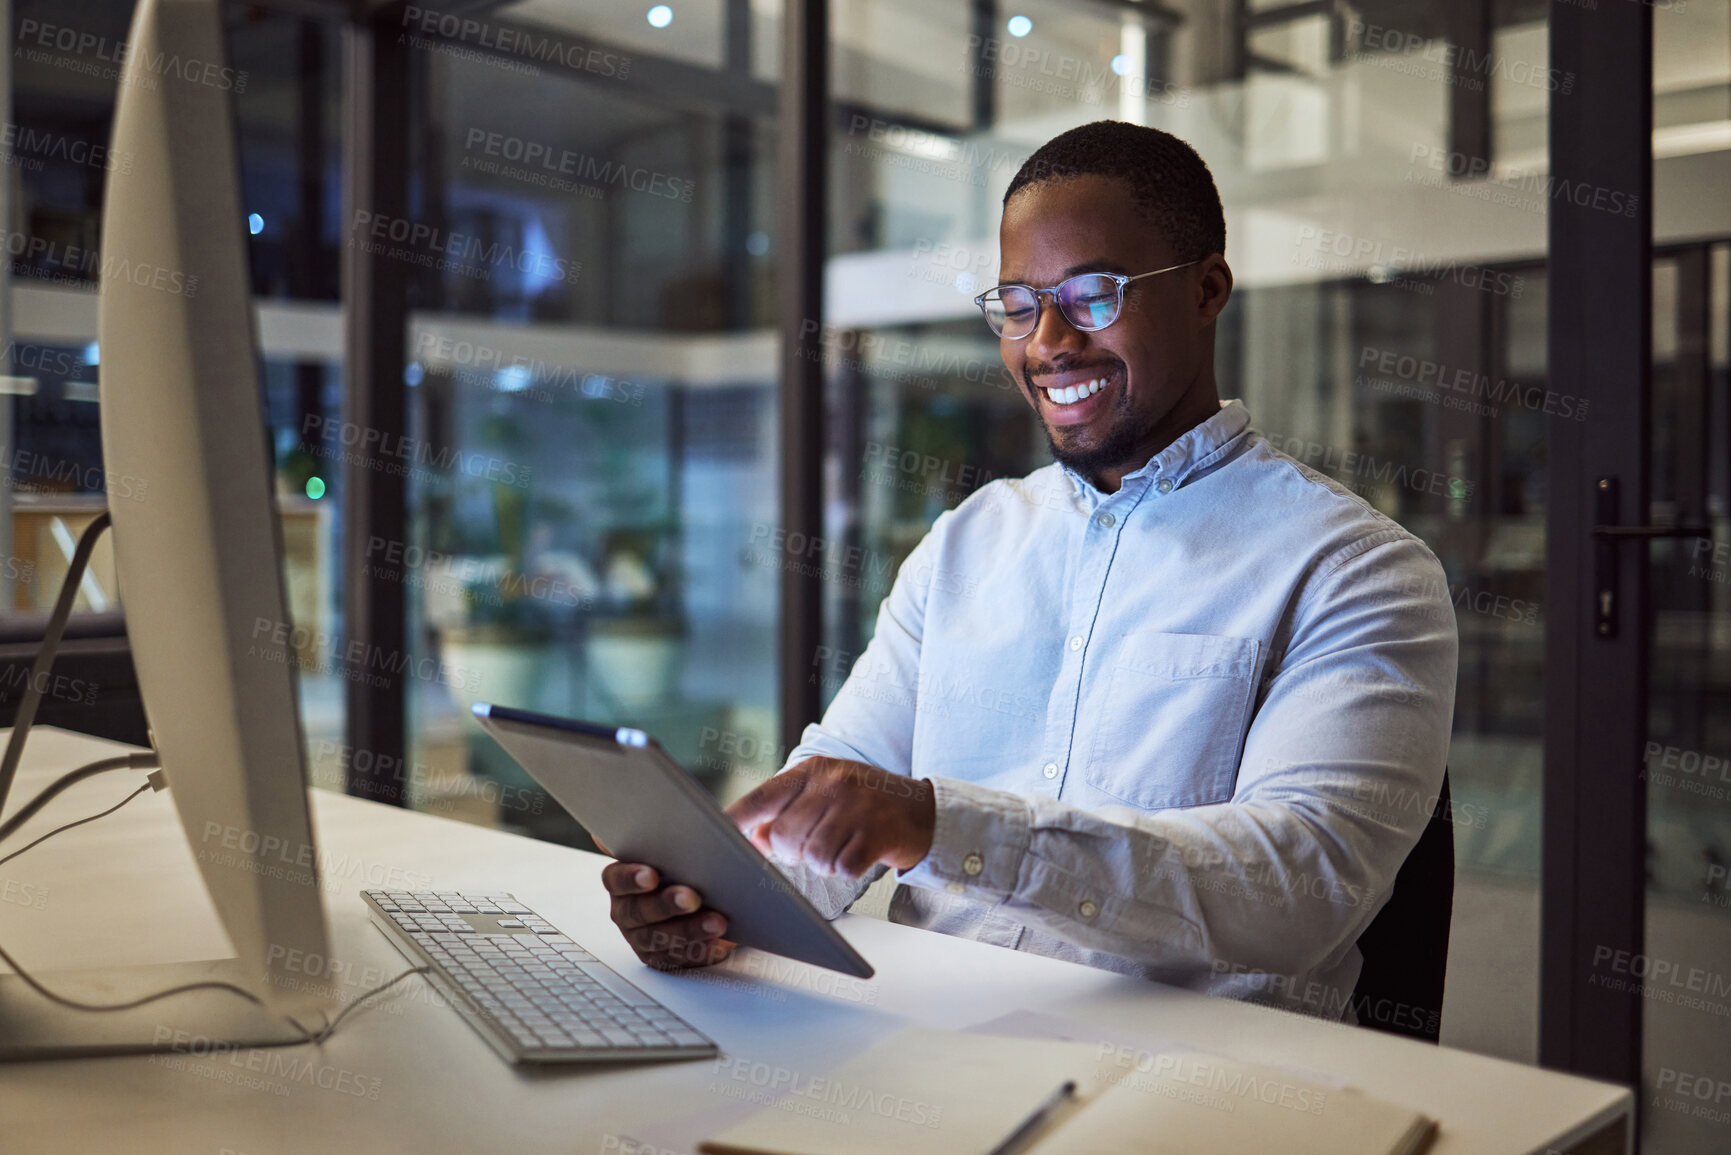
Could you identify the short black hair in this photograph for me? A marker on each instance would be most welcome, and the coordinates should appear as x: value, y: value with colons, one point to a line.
x: 1167, y: 179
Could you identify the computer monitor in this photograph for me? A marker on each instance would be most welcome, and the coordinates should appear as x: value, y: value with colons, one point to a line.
x: 198, y: 559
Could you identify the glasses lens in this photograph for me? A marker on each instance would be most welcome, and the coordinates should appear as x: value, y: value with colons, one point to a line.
x: 1090, y: 300
x: 1010, y: 310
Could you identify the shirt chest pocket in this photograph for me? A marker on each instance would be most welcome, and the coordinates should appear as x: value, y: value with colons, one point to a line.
x: 1171, y: 719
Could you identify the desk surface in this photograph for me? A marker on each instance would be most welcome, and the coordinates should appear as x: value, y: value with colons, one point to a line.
x: 409, y: 1075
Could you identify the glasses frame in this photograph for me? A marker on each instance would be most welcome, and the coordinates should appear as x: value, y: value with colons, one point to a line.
x: 1119, y: 278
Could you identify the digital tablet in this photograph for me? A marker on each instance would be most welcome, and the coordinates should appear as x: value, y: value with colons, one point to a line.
x: 633, y: 797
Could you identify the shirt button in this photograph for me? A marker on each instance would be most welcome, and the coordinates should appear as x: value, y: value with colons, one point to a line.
x: 973, y: 864
x: 1164, y: 485
x: 1108, y: 520
x: 1076, y: 642
x: 1050, y: 769
x: 1088, y: 909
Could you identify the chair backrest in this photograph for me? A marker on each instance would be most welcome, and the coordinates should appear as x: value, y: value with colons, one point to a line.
x: 1406, y: 946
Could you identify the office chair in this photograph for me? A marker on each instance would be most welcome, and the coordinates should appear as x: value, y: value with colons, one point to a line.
x: 1406, y: 945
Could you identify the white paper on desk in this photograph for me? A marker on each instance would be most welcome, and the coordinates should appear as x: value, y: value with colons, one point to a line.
x: 1170, y: 1098
x: 1189, y: 1103
x: 918, y: 1092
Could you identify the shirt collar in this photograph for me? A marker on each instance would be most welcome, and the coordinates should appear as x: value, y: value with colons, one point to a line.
x: 1200, y: 447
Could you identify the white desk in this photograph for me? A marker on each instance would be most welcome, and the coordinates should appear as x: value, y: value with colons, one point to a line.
x: 126, y: 890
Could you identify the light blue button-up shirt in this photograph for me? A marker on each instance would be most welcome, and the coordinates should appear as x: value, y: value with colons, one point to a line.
x: 1188, y: 730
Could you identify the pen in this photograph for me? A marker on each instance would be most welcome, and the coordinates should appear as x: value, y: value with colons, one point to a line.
x: 1018, y: 1138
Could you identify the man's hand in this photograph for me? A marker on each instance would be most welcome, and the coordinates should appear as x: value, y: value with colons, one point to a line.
x: 840, y: 817
x: 666, y: 925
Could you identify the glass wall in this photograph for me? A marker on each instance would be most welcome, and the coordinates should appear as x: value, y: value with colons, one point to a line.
x: 597, y: 538
x: 285, y: 81
x: 1684, y: 978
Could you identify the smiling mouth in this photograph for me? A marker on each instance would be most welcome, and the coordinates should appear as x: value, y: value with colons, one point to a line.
x: 1070, y: 394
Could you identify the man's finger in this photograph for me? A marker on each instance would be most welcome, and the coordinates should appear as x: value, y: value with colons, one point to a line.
x: 629, y: 878
x: 823, y: 846
x: 712, y: 954
x: 768, y: 800
x: 636, y: 910
x: 791, y: 831
x: 687, y: 938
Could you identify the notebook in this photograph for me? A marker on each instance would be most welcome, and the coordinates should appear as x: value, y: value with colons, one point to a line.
x: 925, y: 1092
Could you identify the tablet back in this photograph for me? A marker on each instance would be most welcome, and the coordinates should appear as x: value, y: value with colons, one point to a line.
x: 632, y: 796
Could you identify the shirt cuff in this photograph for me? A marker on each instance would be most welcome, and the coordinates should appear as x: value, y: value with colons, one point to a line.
x: 978, y: 843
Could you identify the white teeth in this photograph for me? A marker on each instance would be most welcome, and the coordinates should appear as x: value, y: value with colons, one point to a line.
x: 1074, y: 393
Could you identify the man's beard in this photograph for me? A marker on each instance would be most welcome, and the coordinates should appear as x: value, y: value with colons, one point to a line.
x: 1118, y: 447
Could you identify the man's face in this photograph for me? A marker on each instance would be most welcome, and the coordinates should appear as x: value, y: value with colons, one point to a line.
x: 1154, y: 364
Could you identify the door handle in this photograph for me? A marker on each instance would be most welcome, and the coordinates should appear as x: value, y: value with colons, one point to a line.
x: 1606, y: 534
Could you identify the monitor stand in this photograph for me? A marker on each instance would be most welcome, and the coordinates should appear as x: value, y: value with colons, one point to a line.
x: 197, y: 1024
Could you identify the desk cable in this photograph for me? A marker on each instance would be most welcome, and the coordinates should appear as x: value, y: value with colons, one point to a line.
x: 157, y: 782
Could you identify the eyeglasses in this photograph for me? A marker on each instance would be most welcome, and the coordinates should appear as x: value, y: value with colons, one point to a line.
x: 1089, y: 301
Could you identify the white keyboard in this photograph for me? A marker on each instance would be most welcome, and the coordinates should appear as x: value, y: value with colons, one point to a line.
x: 530, y: 991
